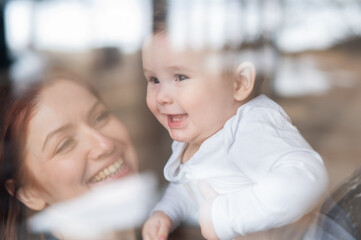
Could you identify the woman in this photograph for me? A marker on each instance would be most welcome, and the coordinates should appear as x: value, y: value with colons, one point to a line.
x: 58, y: 140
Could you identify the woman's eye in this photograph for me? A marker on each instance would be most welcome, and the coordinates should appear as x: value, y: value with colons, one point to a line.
x: 181, y: 77
x: 66, y: 144
x: 154, y: 80
x: 102, y: 117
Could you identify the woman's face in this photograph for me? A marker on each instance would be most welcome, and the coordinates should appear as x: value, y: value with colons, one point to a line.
x: 74, y: 143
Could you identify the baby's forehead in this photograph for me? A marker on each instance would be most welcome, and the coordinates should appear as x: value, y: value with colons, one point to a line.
x: 204, y: 57
x: 164, y: 40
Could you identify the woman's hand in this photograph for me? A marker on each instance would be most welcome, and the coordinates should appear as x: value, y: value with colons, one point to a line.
x: 205, y: 211
x: 157, y: 227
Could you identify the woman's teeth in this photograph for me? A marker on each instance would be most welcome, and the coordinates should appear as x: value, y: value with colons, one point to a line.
x: 109, y: 171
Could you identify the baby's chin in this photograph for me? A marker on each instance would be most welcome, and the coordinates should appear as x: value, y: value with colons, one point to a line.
x: 178, y: 136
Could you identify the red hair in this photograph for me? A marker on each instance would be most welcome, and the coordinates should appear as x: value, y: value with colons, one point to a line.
x: 16, y: 111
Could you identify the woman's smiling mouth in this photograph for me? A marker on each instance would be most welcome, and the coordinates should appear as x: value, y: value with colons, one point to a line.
x: 116, y: 170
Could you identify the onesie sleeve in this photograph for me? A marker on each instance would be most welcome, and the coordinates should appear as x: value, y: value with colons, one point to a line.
x: 176, y: 203
x: 288, y: 176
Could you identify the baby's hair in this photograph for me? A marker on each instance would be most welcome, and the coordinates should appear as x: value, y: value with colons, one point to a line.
x: 160, y: 11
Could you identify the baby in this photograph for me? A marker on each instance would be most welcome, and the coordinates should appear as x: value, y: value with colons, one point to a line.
x: 237, y: 159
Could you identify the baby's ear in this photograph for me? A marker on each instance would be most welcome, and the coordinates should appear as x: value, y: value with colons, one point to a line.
x: 29, y: 196
x: 245, y: 77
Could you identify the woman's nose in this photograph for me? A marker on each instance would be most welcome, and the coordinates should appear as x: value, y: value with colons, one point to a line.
x: 100, y: 146
x: 164, y: 94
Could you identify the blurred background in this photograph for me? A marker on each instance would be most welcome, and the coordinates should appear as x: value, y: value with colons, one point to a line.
x: 311, y: 60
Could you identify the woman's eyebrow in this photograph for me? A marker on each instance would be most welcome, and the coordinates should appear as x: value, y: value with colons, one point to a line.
x: 62, y: 128
x: 92, y: 109
x: 52, y: 133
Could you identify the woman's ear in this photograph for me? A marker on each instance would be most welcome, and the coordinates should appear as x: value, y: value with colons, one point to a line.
x: 30, y: 197
x: 245, y: 77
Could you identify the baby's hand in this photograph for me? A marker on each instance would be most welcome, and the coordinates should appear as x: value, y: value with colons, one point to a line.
x: 205, y: 211
x: 157, y: 227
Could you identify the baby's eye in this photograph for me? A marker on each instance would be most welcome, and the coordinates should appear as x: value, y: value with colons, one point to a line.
x: 65, y: 145
x: 154, y: 80
x: 181, y: 77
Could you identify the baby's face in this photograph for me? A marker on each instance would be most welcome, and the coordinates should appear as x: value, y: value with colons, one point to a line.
x: 186, y: 91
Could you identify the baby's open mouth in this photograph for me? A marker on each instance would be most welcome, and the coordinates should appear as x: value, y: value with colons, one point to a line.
x: 177, y: 121
x: 117, y: 168
x: 176, y: 118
